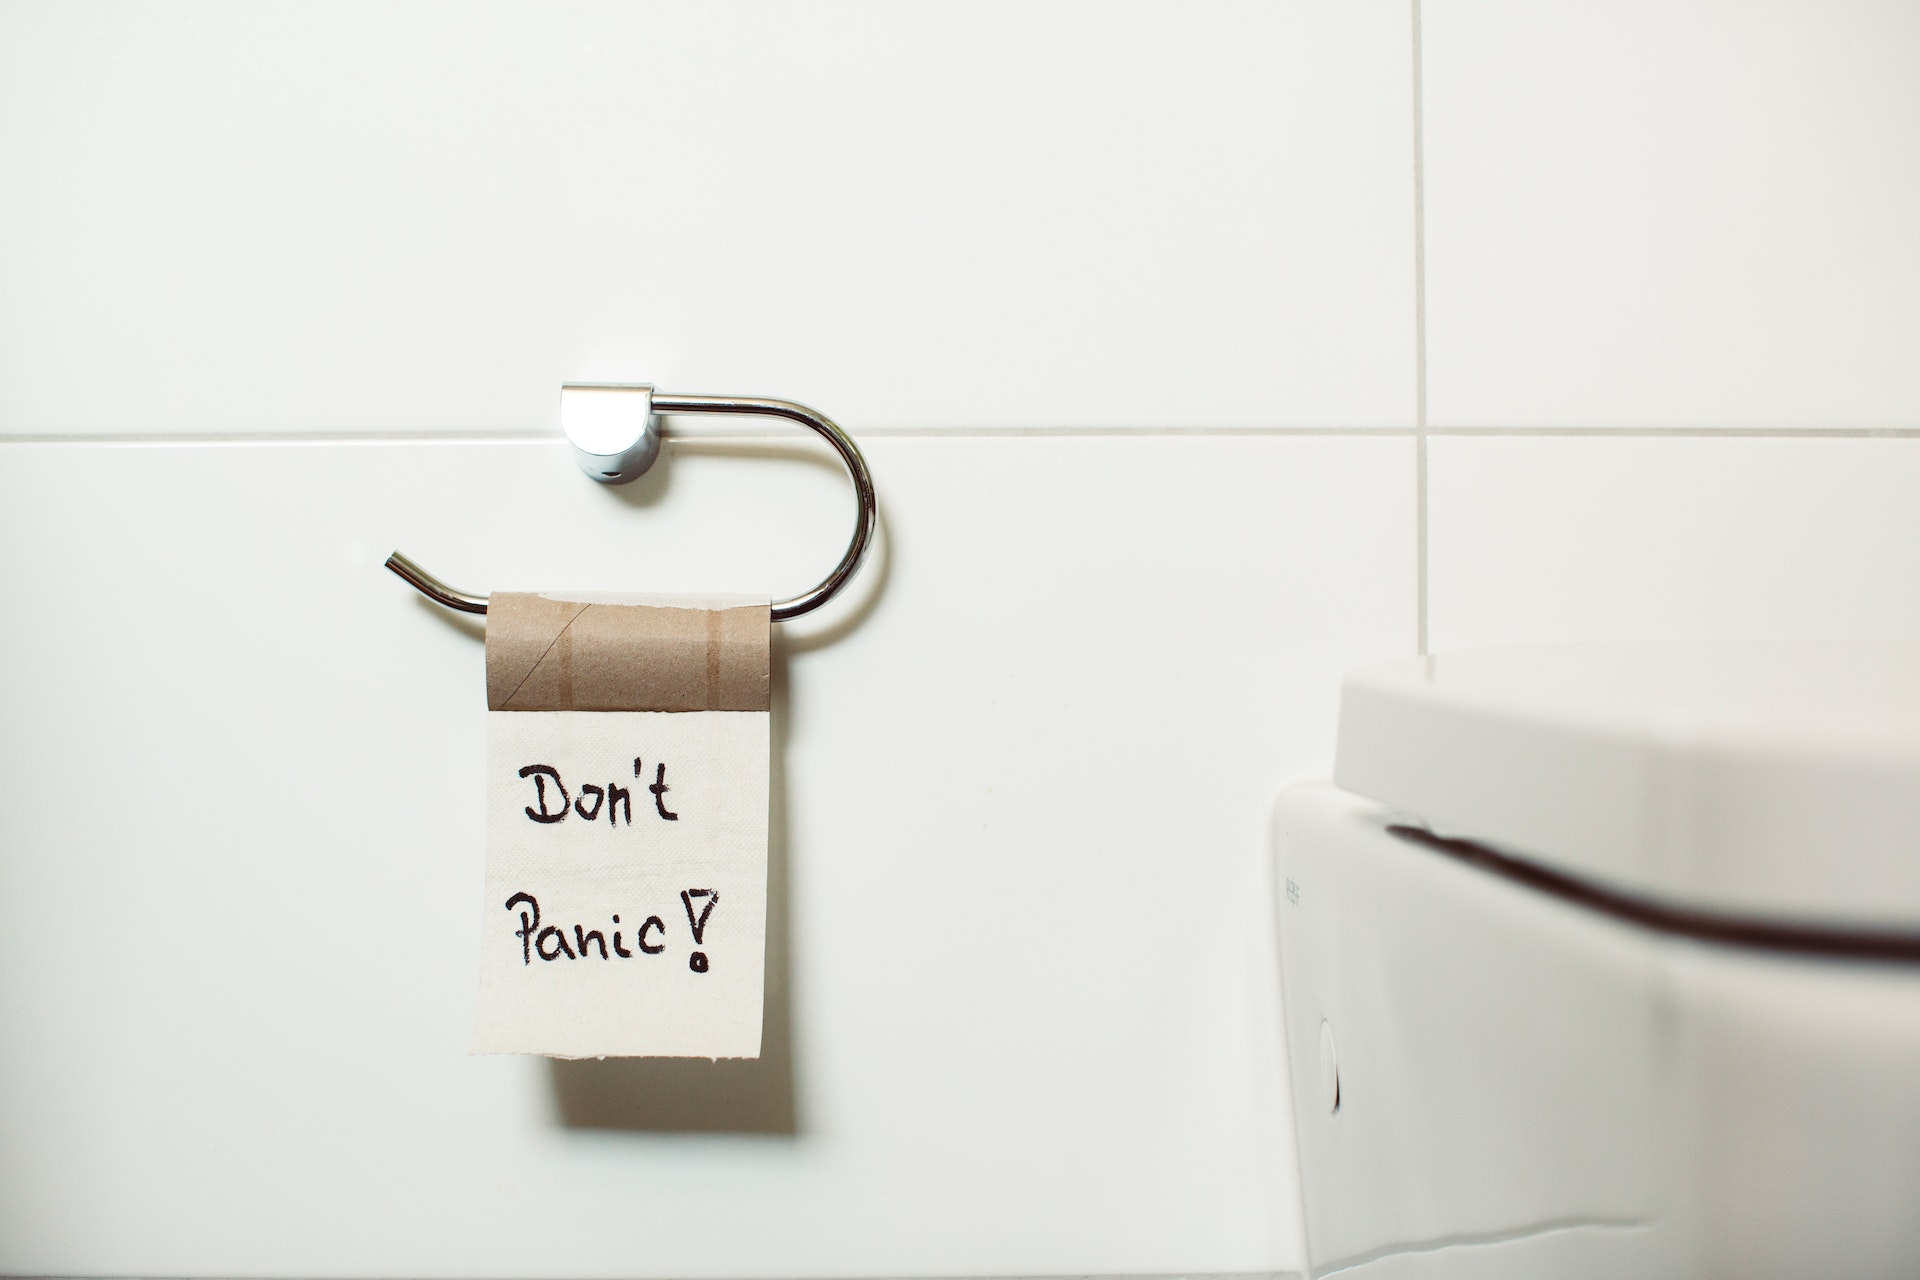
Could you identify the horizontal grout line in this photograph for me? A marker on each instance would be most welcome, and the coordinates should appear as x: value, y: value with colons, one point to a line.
x: 283, y: 437
x: 1691, y: 433
x: 1063, y: 432
x: 674, y: 433
x: 163, y: 438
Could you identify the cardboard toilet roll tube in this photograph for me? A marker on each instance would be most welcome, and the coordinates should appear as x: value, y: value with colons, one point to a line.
x: 548, y: 653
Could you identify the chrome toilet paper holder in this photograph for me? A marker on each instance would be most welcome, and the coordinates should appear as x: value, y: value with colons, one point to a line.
x: 613, y: 430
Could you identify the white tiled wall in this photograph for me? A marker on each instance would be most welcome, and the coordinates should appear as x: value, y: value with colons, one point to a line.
x: 1546, y: 538
x: 1201, y: 353
x: 230, y: 217
x: 1672, y: 320
x: 1646, y: 213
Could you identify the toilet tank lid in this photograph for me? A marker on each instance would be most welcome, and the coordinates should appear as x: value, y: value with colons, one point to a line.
x: 1776, y: 779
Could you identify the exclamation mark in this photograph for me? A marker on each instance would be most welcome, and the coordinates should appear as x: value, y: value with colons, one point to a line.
x: 698, y: 960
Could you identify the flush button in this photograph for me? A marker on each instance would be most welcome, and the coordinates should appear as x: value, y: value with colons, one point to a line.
x: 1329, y: 1069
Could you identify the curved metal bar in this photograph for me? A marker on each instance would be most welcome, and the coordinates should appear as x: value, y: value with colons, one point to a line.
x: 434, y: 589
x: 864, y: 502
x: 807, y: 601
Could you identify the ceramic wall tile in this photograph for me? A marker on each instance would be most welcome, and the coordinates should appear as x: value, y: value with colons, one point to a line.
x: 1648, y: 538
x: 1022, y: 1019
x: 365, y: 217
x: 1649, y: 214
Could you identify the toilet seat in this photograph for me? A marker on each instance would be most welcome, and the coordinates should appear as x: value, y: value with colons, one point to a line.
x: 1778, y: 780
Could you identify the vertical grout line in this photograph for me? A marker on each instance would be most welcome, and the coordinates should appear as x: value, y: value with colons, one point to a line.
x: 1419, y: 349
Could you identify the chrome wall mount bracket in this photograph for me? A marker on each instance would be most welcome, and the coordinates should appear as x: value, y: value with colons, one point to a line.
x: 614, y: 433
x: 612, y: 428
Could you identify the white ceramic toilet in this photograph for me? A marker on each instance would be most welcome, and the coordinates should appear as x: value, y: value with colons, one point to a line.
x: 1604, y: 960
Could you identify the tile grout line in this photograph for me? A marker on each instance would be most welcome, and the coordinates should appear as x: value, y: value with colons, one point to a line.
x: 1683, y: 433
x: 163, y: 438
x: 1419, y: 347
x: 683, y: 436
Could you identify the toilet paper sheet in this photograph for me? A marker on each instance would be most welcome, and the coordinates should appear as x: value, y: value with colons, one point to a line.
x: 628, y: 760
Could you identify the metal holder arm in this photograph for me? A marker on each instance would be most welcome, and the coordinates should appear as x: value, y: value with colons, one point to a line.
x: 807, y: 601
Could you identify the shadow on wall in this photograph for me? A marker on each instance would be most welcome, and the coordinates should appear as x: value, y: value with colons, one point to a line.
x: 730, y: 1095
x: 700, y: 1095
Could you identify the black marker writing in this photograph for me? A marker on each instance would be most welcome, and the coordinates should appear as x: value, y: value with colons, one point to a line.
x: 527, y: 924
x: 699, y: 925
x: 550, y: 942
x: 698, y: 960
x: 615, y: 800
x: 660, y: 788
x: 540, y: 773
